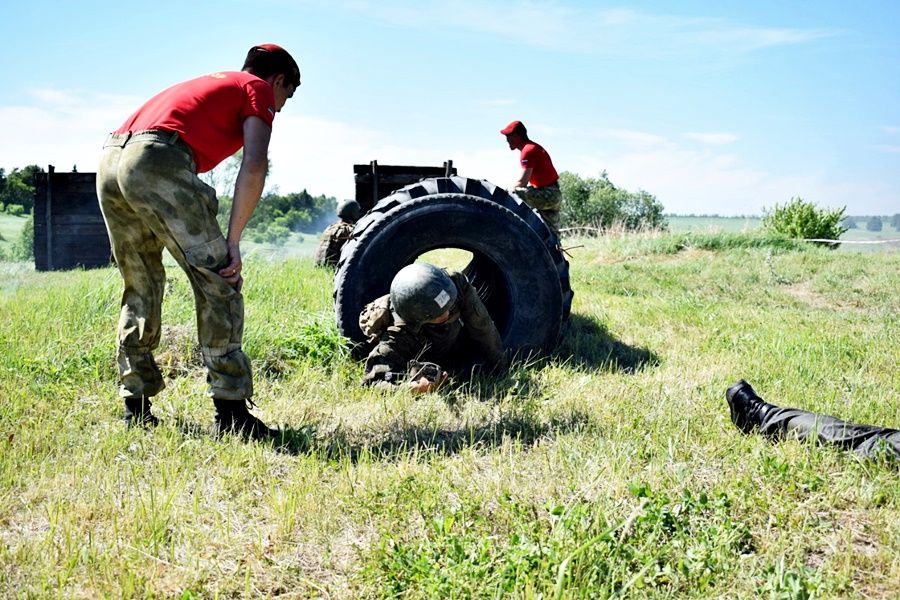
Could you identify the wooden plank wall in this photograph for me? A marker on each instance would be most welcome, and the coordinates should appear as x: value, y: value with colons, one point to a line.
x: 68, y: 227
x: 374, y: 181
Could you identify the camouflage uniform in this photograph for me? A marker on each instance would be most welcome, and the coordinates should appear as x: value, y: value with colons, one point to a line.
x: 333, y: 239
x: 152, y: 199
x: 468, y: 338
x: 547, y: 200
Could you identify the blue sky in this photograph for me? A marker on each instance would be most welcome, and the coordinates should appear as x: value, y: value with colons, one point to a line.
x: 714, y: 107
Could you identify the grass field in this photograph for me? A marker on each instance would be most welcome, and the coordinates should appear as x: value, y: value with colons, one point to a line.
x: 609, y: 468
x: 679, y: 224
x: 10, y: 229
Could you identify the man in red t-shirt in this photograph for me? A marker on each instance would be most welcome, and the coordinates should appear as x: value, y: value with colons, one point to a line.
x: 152, y: 198
x: 538, y: 185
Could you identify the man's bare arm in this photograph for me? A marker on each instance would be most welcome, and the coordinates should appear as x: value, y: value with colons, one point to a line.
x: 248, y: 188
x: 523, y: 180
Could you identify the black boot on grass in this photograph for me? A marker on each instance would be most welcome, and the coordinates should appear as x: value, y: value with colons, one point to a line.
x: 233, y: 416
x: 137, y: 412
x: 747, y: 408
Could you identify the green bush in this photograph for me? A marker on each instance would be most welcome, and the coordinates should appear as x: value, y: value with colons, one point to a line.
x: 804, y: 220
x: 597, y: 202
x: 17, y: 188
x: 23, y: 249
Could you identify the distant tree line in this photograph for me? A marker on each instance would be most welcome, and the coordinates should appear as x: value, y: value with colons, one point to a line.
x: 710, y: 216
x: 17, y: 199
x: 872, y: 223
x: 277, y: 215
x: 17, y: 190
x: 597, y: 202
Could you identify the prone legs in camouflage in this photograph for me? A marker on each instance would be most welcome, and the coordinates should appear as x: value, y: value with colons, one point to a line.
x: 749, y: 412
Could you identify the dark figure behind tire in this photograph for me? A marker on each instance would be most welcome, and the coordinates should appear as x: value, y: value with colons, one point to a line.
x: 337, y: 234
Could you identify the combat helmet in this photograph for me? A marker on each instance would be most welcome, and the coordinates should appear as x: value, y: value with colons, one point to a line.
x: 349, y: 210
x: 421, y: 292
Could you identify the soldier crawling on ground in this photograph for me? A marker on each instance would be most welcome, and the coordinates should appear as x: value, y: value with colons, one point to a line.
x: 430, y: 323
x: 337, y: 234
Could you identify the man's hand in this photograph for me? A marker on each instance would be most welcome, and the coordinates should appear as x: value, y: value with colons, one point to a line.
x: 423, y: 385
x: 232, y: 273
x: 523, y: 179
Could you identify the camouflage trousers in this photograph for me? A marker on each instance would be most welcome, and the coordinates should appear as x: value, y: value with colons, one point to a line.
x: 546, y: 200
x: 151, y: 198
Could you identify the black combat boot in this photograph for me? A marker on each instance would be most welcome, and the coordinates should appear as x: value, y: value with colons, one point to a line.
x: 747, y: 408
x: 137, y: 412
x: 233, y: 416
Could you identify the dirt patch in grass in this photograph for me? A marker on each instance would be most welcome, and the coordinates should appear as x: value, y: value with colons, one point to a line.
x: 853, y: 537
x: 802, y: 292
x: 179, y: 353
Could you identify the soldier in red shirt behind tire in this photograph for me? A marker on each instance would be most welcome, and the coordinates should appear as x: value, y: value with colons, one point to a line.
x: 152, y: 198
x: 538, y: 186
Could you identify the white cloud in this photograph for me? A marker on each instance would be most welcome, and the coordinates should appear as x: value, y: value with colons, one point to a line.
x: 611, y: 32
x: 713, y: 139
x: 889, y: 149
x: 891, y: 130
x: 497, y: 102
x: 685, y: 181
x: 715, y: 32
x: 318, y: 155
x: 61, y: 128
x: 637, y: 138
x: 66, y: 128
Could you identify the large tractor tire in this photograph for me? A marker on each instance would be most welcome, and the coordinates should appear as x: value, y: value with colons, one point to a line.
x: 517, y: 265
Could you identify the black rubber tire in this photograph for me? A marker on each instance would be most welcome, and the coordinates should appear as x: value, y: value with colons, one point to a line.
x: 517, y: 266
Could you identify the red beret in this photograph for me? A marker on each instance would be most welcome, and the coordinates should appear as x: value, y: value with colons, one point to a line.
x: 511, y: 127
x: 281, y: 59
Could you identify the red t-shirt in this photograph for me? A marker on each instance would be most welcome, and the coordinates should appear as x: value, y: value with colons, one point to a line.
x: 208, y: 113
x: 536, y: 158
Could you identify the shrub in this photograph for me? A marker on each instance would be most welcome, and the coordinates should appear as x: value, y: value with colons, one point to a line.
x: 874, y: 224
x: 801, y: 219
x: 597, y: 202
x: 23, y: 249
x: 271, y: 233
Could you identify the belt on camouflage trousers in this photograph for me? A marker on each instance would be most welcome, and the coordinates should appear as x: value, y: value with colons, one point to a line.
x: 172, y: 138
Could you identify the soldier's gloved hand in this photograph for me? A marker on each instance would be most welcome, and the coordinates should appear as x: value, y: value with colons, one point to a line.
x: 423, y: 385
x: 232, y: 272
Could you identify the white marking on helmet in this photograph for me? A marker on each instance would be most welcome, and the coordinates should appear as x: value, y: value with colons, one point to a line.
x: 442, y: 299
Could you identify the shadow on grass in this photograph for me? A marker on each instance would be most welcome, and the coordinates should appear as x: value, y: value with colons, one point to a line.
x: 588, y: 344
x: 412, y: 441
